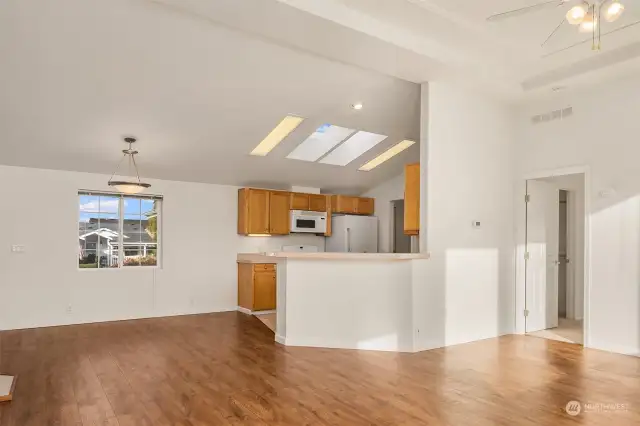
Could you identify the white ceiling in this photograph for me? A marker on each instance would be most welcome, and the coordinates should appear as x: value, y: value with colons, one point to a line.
x: 505, y: 58
x: 200, y: 83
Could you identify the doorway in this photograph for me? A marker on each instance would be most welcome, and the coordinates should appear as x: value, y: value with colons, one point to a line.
x: 400, y: 242
x: 555, y: 257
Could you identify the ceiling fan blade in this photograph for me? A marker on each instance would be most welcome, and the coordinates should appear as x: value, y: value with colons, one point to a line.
x: 525, y: 10
x: 553, y: 32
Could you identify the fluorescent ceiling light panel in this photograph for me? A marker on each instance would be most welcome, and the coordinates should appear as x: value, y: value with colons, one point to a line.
x: 277, y: 135
x: 353, y: 148
x: 391, y: 152
x: 320, y: 142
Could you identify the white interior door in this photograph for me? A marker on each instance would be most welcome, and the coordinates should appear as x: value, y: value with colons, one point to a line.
x: 542, y: 263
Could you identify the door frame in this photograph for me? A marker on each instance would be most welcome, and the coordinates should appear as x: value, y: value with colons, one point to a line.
x: 521, y: 227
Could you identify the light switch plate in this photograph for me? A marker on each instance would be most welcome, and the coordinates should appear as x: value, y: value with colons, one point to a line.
x: 18, y: 248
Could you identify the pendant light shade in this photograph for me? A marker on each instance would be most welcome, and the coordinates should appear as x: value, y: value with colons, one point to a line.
x: 129, y: 186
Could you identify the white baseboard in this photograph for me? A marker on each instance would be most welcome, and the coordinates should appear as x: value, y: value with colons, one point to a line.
x: 335, y: 344
x: 244, y: 310
x: 257, y: 313
x: 280, y: 339
x: 618, y: 349
x: 81, y: 321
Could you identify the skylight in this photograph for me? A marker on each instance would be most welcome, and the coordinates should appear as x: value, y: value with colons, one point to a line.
x: 320, y: 142
x: 277, y: 135
x: 353, y: 148
x: 391, y: 152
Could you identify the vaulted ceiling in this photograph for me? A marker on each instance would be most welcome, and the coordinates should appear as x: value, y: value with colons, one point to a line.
x: 202, y: 82
x: 197, y: 89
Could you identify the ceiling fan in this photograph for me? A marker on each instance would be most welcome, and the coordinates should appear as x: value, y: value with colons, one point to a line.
x: 585, y: 14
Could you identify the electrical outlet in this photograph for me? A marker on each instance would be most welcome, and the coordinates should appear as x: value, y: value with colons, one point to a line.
x: 69, y: 309
x: 18, y: 248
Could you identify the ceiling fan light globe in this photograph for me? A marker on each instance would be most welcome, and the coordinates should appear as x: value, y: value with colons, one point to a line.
x: 576, y: 14
x: 587, y: 26
x: 614, y: 11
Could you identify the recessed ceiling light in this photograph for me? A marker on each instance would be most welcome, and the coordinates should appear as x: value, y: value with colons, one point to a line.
x: 320, y: 142
x: 391, y: 152
x: 353, y: 148
x: 277, y: 135
x: 357, y: 106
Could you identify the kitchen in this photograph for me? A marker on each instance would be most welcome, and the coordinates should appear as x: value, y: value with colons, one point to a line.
x: 344, y: 235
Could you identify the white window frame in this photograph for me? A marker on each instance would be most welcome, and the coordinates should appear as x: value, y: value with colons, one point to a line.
x: 121, y: 197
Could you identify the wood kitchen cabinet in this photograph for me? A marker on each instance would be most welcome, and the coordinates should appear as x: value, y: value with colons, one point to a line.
x: 308, y: 202
x: 412, y: 199
x: 279, y: 219
x: 257, y: 286
x: 299, y: 201
x: 352, y: 205
x: 318, y: 202
x: 364, y: 206
x: 261, y: 211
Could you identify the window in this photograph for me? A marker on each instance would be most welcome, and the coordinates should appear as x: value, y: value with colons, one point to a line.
x: 116, y: 230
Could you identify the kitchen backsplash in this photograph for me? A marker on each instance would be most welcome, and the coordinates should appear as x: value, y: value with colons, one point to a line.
x: 275, y: 243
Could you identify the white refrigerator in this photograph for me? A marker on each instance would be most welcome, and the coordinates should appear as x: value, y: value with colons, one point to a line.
x: 353, y: 234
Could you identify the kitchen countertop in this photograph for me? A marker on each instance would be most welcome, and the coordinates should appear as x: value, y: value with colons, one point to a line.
x: 274, y: 257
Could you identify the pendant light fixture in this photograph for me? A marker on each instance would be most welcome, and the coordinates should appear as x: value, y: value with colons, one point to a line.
x: 129, y: 186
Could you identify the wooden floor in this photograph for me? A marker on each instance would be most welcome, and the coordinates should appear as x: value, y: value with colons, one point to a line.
x: 269, y: 320
x: 225, y: 369
x: 568, y: 330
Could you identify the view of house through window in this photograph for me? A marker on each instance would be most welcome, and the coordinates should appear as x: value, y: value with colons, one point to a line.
x: 117, y: 230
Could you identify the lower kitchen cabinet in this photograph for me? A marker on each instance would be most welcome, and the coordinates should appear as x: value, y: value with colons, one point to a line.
x: 257, y: 286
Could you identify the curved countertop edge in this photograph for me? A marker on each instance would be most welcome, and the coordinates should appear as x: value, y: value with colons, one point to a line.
x: 279, y: 256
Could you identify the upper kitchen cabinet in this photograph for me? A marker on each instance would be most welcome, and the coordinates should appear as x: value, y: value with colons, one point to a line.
x: 365, y: 206
x: 279, y: 213
x: 309, y: 202
x: 299, y: 201
x: 412, y: 199
x: 318, y: 203
x: 352, y: 205
x: 263, y: 212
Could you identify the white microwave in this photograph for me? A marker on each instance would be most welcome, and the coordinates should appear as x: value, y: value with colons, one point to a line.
x: 312, y: 222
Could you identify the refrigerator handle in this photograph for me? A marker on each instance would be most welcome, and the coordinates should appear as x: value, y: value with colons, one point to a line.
x: 348, y: 240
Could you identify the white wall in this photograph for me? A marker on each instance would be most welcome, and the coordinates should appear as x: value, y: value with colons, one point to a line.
x: 40, y: 210
x: 392, y: 189
x: 465, y: 291
x: 602, y: 134
x: 350, y: 304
